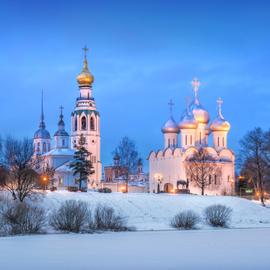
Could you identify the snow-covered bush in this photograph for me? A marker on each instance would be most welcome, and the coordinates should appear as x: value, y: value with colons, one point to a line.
x: 186, y: 220
x: 106, y: 219
x: 218, y: 215
x: 72, y: 216
x: 22, y: 218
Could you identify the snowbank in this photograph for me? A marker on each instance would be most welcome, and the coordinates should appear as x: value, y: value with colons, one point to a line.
x: 154, y: 211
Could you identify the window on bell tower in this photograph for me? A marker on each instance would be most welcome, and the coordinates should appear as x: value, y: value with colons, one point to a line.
x: 92, y: 123
x: 83, y: 123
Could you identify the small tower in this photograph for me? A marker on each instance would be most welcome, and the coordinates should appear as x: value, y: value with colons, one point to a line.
x: 61, y: 137
x: 188, y: 126
x: 85, y: 120
x: 220, y: 128
x: 170, y: 131
x: 140, y: 166
x: 42, y: 138
x: 116, y: 160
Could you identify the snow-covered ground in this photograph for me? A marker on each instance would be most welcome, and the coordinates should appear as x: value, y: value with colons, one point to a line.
x: 155, y: 211
x: 200, y: 249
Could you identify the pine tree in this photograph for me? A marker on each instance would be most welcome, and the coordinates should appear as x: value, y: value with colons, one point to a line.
x: 81, y: 164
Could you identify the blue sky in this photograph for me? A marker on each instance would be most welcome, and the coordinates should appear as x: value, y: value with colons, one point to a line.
x: 142, y: 53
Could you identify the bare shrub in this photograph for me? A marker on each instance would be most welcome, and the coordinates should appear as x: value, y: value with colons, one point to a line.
x: 22, y: 218
x: 186, y: 220
x: 218, y: 215
x: 106, y: 219
x: 72, y: 216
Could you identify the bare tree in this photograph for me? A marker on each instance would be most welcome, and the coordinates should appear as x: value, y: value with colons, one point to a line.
x: 18, y: 175
x: 128, y: 157
x: 254, y: 160
x: 200, y: 167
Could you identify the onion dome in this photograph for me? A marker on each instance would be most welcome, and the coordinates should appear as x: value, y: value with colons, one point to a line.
x: 187, y: 120
x: 220, y: 124
x: 85, y: 77
x: 61, y: 125
x: 200, y: 114
x: 42, y: 133
x: 170, y: 126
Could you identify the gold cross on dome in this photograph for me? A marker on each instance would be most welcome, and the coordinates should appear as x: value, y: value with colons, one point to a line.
x: 85, y: 49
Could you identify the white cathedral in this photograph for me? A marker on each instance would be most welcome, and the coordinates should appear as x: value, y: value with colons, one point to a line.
x: 85, y: 120
x: 167, y: 166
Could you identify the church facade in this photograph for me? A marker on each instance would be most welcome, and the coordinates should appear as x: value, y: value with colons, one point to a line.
x: 167, y: 169
x: 85, y: 120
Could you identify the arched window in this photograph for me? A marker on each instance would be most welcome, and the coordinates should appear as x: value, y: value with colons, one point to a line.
x: 173, y: 142
x: 200, y: 138
x: 75, y: 124
x: 210, y: 180
x: 83, y: 123
x: 223, y: 142
x: 218, y: 141
x: 215, y: 179
x: 169, y: 143
x: 63, y: 142
x: 44, y: 148
x: 92, y: 123
x: 38, y: 147
x: 190, y: 139
x: 186, y: 140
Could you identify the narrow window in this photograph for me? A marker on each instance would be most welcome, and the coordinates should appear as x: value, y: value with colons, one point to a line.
x: 210, y: 180
x: 92, y: 123
x: 173, y: 142
x: 75, y: 124
x: 38, y: 147
x: 223, y: 141
x: 215, y: 179
x: 63, y: 142
x: 44, y: 147
x: 186, y: 140
x: 200, y: 138
x: 218, y: 141
x: 169, y: 143
x: 83, y: 123
x: 190, y: 139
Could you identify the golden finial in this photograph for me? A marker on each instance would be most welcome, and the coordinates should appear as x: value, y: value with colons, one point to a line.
x: 85, y: 77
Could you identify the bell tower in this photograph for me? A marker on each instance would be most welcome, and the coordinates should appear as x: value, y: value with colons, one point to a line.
x: 85, y: 120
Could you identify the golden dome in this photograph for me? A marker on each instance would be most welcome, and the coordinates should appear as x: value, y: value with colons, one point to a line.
x: 85, y: 77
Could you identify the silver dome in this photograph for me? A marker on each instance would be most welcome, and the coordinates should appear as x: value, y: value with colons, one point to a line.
x: 187, y: 121
x: 42, y: 134
x: 170, y: 126
x: 220, y: 124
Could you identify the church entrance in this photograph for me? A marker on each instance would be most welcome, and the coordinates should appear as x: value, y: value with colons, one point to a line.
x: 168, y: 187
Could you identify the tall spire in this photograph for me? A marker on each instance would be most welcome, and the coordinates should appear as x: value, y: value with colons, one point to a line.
x: 196, y: 84
x: 61, y: 123
x: 219, y: 102
x: 42, y: 123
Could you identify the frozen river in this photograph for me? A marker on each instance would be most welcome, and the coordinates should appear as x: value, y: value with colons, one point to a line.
x: 201, y: 249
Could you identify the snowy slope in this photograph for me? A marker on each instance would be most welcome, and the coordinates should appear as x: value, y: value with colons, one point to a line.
x: 154, y: 211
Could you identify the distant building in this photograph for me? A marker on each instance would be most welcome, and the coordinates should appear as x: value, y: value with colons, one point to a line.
x: 167, y: 166
x: 117, y: 173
